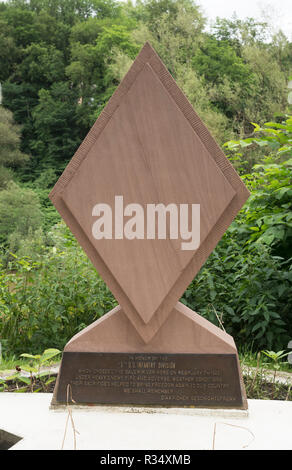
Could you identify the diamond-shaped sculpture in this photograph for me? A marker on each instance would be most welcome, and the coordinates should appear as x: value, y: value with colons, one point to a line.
x: 148, y: 147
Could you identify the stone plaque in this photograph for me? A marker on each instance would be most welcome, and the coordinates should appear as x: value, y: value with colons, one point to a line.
x: 151, y: 379
x: 148, y: 195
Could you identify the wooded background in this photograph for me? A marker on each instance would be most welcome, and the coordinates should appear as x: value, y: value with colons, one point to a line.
x: 60, y: 61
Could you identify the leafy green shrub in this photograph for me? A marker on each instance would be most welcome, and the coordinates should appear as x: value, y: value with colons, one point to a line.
x: 42, y: 187
x: 247, y: 289
x: 19, y: 213
x: 48, y: 298
x: 268, y: 212
x: 247, y: 281
x: 10, y: 154
x: 267, y: 215
x: 38, y: 380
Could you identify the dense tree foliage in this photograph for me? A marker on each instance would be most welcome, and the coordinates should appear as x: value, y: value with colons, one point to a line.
x: 10, y: 155
x: 60, y: 61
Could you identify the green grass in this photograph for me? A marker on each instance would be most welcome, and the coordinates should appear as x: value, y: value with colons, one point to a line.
x: 250, y: 358
x: 8, y: 363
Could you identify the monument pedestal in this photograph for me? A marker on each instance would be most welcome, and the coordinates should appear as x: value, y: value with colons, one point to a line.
x: 188, y: 362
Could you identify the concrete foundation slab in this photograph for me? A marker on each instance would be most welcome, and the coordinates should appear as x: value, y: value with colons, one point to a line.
x: 268, y: 425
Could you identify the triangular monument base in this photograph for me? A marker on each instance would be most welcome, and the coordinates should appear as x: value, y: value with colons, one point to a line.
x: 188, y: 362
